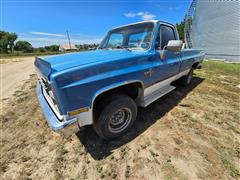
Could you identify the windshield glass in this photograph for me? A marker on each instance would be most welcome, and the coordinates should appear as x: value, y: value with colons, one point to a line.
x: 136, y: 36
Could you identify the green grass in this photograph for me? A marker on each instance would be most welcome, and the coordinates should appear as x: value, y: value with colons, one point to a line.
x: 3, y: 167
x: 224, y: 75
x: 218, y: 67
x: 99, y: 168
x: 226, y: 158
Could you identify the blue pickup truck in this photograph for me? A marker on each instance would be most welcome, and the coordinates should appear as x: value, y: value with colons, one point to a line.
x: 133, y: 66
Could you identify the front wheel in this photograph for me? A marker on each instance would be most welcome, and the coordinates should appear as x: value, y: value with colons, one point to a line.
x: 116, y: 117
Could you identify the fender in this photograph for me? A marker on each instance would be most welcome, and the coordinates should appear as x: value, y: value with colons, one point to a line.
x: 114, y: 86
x: 87, y: 117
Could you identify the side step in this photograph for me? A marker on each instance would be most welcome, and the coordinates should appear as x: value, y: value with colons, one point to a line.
x: 157, y: 94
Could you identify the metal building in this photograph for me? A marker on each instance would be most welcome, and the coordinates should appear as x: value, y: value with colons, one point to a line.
x: 214, y: 26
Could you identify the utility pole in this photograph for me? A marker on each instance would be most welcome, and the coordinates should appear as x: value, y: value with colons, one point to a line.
x: 69, y: 40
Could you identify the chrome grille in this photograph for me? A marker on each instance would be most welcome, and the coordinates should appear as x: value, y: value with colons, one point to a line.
x: 49, y: 95
x: 46, y: 86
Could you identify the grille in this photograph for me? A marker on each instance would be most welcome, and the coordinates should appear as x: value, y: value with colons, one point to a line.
x: 49, y: 95
x: 47, y: 88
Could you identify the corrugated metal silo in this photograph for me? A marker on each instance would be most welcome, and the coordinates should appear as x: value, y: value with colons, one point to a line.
x: 214, y: 26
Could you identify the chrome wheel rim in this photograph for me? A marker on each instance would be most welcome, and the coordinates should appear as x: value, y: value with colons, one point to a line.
x: 120, y: 120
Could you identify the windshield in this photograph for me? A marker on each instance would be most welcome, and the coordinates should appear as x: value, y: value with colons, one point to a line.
x: 130, y: 37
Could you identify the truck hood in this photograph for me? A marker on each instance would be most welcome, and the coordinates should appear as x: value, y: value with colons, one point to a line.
x: 66, y: 61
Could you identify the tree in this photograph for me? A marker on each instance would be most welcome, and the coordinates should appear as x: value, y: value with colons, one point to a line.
x: 7, y: 41
x: 3, y: 41
x: 180, y: 28
x: 24, y: 46
x: 41, y: 49
x: 11, y: 39
x: 54, y: 48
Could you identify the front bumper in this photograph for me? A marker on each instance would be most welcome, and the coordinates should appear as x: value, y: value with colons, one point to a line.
x: 68, y: 127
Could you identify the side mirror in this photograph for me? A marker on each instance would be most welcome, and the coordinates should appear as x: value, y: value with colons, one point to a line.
x: 173, y: 45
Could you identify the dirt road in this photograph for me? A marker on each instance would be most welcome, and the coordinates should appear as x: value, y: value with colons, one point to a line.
x: 13, y: 75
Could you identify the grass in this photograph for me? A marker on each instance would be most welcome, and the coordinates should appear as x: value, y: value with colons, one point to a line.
x: 3, y: 167
x: 99, y: 168
x: 219, y: 67
x: 226, y: 158
x: 127, y: 171
x: 14, y: 55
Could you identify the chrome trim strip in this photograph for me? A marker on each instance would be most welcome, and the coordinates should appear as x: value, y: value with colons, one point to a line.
x: 163, y: 83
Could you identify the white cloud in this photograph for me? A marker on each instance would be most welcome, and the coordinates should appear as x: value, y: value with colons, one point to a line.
x: 47, y: 34
x: 140, y: 13
x: 144, y: 15
x: 173, y: 8
x: 130, y: 14
x: 148, y: 17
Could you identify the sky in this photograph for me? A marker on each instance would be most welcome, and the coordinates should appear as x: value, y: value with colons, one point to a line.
x: 45, y: 22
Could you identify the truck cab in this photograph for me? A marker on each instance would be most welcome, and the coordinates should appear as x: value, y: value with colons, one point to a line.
x: 134, y: 65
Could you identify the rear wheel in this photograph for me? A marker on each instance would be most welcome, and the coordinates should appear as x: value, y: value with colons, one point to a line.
x: 186, y: 80
x: 115, y: 116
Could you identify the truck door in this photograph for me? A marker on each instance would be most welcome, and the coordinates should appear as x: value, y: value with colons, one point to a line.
x: 170, y: 65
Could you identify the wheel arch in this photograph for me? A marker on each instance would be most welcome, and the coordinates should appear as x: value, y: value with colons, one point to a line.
x: 117, y: 86
x: 195, y: 65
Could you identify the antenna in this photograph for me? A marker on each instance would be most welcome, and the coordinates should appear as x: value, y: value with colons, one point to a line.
x: 69, y: 40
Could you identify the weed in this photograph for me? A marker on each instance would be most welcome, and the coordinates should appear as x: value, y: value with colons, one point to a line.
x: 3, y: 119
x: 112, y: 157
x: 153, y: 153
x: 99, y: 168
x: 146, y: 144
x: 3, y: 167
x: 127, y: 171
x: 123, y: 152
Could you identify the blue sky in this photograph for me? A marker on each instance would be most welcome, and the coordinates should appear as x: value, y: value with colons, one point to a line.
x: 44, y: 22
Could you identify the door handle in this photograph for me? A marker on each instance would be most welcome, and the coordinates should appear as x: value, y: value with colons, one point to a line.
x: 177, y: 53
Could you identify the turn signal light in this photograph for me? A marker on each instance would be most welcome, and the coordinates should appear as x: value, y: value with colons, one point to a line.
x: 78, y: 111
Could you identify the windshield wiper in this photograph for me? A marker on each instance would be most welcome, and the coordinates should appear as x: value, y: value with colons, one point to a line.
x: 104, y: 48
x: 122, y: 47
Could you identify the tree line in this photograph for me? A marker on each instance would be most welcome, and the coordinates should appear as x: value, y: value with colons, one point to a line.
x: 9, y: 44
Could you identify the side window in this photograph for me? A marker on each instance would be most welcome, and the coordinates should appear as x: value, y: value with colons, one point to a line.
x: 167, y: 34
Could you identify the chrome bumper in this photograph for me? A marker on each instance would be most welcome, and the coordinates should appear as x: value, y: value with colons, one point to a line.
x: 68, y: 127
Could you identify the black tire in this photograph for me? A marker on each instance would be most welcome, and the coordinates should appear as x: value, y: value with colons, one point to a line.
x: 186, y: 80
x: 117, y: 110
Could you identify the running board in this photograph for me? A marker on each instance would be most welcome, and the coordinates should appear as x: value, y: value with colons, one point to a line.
x: 157, y: 94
